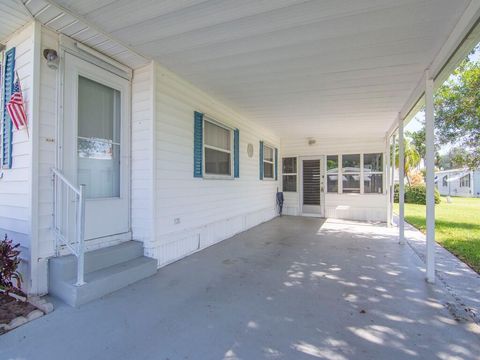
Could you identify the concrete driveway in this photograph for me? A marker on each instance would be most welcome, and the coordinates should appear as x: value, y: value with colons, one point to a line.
x: 292, y: 288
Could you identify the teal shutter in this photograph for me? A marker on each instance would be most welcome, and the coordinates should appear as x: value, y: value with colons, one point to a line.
x: 198, y: 145
x: 276, y: 164
x: 236, y: 153
x: 7, y: 126
x: 260, y: 155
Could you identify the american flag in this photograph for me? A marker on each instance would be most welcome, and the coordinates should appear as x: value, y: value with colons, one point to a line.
x: 15, y: 107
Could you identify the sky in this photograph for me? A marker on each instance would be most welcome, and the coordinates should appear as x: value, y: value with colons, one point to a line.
x: 416, y: 123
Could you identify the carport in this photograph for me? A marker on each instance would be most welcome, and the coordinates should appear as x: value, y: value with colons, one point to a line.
x: 345, y: 74
x: 316, y: 78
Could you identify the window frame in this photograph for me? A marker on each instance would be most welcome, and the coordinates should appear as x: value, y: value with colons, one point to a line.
x: 339, y: 159
x: 291, y: 174
x: 267, y: 178
x: 465, y: 181
x: 230, y: 129
x: 361, y: 173
x: 373, y: 173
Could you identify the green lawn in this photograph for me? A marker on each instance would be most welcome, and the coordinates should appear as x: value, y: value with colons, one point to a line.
x: 457, y: 226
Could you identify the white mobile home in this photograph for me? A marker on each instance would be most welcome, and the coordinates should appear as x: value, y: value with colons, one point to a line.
x: 174, y: 124
x: 458, y: 182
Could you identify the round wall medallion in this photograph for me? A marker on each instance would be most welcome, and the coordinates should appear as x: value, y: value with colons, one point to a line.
x: 250, y: 150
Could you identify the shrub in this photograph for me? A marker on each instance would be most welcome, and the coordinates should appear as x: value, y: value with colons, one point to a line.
x: 10, y: 277
x: 416, y: 194
x: 416, y: 178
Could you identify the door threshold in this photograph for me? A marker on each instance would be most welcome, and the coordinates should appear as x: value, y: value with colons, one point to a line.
x: 312, y: 215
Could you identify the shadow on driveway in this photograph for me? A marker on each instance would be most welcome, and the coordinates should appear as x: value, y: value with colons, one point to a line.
x: 292, y: 288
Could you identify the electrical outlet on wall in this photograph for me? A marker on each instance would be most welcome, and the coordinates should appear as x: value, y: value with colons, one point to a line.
x: 176, y: 221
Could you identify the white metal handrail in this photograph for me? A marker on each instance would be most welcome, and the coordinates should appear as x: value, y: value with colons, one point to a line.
x: 62, y: 191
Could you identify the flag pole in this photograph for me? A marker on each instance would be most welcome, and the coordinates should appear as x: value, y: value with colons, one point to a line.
x: 20, y: 88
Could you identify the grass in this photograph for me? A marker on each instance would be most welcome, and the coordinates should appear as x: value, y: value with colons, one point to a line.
x: 457, y: 226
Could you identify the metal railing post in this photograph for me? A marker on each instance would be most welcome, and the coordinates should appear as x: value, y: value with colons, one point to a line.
x: 54, y: 213
x: 81, y: 237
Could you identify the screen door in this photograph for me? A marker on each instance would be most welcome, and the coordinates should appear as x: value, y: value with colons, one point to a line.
x: 312, y: 186
x: 96, y: 144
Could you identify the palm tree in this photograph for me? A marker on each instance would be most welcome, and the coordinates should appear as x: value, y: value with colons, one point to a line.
x: 412, y: 158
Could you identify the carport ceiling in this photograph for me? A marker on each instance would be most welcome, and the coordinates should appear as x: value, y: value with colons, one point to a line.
x: 320, y: 67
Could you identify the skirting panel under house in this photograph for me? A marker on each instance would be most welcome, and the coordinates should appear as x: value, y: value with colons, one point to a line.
x: 171, y: 247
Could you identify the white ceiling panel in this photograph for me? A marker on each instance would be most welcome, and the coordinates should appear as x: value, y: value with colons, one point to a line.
x: 12, y: 17
x: 303, y: 68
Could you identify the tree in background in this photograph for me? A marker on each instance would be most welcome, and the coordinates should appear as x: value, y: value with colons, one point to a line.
x: 412, y: 159
x: 417, y: 139
x: 455, y: 158
x: 457, y: 112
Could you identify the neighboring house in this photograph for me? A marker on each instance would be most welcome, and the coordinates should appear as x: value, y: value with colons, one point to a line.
x: 165, y: 163
x: 458, y: 182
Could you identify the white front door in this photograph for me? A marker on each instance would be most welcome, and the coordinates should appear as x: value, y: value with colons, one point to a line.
x: 96, y: 153
x: 312, y: 186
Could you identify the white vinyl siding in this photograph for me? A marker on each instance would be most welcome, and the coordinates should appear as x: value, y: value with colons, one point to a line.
x: 15, y: 183
x: 47, y: 144
x: 143, y: 147
x: 193, y: 213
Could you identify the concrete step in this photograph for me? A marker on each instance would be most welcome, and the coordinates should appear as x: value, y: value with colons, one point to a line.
x: 65, y: 267
x: 122, y: 266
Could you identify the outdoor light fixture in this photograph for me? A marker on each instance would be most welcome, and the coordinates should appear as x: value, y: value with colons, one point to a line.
x: 52, y: 58
x: 311, y: 141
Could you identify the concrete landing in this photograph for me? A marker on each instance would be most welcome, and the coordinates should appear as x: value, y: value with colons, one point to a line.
x: 292, y: 288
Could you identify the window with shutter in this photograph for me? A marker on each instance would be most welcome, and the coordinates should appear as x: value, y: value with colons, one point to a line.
x: 268, y: 157
x: 268, y: 162
x: 216, y: 149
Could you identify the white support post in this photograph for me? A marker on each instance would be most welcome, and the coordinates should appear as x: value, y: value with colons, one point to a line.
x: 387, y: 182
x: 430, y: 178
x: 401, y: 181
x: 392, y: 179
